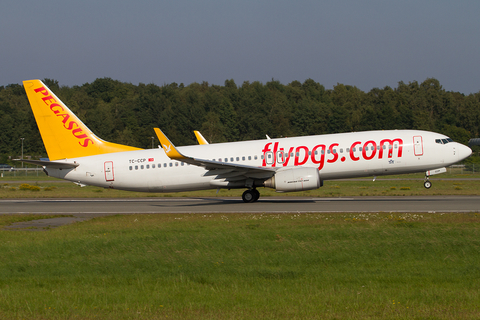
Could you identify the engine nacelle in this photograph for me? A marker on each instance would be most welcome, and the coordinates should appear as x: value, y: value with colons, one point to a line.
x: 295, y: 179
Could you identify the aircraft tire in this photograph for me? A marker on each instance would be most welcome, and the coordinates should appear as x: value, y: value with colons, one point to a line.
x: 248, y: 196
x: 256, y: 194
x: 427, y: 184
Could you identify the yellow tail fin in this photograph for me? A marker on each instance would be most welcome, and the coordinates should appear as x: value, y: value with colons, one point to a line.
x: 63, y: 134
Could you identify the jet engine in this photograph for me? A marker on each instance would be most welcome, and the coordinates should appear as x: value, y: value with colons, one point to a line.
x: 295, y: 179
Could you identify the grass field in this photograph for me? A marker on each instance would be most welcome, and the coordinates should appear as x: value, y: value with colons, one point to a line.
x: 406, y: 186
x: 245, y: 266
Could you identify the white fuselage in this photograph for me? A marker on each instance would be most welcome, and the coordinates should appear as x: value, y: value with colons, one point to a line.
x: 343, y: 155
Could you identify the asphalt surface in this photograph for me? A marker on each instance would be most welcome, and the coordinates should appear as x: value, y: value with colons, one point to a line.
x: 82, y: 209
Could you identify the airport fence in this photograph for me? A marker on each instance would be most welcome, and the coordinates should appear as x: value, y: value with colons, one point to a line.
x: 21, y: 172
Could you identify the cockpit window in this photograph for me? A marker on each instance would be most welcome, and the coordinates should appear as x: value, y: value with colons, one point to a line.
x: 443, y: 141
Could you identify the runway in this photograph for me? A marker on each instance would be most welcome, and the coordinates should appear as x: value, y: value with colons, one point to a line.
x: 84, y: 209
x: 101, y: 207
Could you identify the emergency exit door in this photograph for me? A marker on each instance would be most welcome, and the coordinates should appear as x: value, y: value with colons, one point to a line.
x: 108, y: 166
x: 418, y: 145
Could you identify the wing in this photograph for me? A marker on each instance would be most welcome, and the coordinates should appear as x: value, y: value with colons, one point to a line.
x: 229, y: 172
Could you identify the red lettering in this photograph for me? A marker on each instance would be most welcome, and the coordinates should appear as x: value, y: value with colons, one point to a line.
x: 42, y: 90
x: 57, y: 108
x: 352, y: 155
x: 48, y: 98
x: 275, y: 148
x: 299, y: 162
x: 56, y: 105
x: 265, y: 150
x: 78, y: 130
x: 65, y: 117
x: 374, y: 151
x: 85, y: 142
x: 332, y: 151
x: 71, y: 124
x: 288, y: 156
x: 389, y: 144
x: 321, y: 161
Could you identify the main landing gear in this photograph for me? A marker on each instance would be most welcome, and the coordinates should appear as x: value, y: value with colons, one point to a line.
x: 250, y: 195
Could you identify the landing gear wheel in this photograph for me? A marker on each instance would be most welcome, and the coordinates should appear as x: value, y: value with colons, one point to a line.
x: 427, y: 184
x: 248, y: 196
x: 257, y: 194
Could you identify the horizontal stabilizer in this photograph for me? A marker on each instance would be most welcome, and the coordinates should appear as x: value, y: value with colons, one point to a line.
x: 50, y: 164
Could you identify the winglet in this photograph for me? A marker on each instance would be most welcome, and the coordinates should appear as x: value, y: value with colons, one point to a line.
x: 200, y: 138
x: 168, y: 146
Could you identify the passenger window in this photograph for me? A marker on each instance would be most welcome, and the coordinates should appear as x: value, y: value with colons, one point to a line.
x: 183, y: 164
x: 153, y: 166
x: 176, y: 164
x: 231, y: 159
x: 341, y: 150
x: 348, y: 150
x: 243, y: 158
x: 170, y: 164
x: 359, y: 148
x: 238, y: 159
x: 136, y: 167
x: 141, y: 167
x: 164, y: 165
x: 249, y: 157
x: 148, y: 166
x: 226, y: 159
x: 130, y: 168
x: 328, y: 151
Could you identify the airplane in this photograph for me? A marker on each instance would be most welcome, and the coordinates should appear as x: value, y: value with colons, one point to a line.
x: 285, y: 164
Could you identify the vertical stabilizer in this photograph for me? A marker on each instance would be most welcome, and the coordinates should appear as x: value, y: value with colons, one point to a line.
x: 63, y: 134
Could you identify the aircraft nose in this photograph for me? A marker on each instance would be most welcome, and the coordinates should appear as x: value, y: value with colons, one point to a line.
x: 463, y: 152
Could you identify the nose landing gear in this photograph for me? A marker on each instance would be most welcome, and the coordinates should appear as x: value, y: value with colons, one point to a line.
x: 250, y: 195
x: 427, y: 184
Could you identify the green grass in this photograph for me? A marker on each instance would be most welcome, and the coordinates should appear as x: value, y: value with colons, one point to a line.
x: 380, y: 187
x: 245, y: 266
x: 451, y: 183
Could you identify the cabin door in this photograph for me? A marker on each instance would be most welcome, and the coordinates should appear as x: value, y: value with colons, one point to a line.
x: 418, y: 145
x: 108, y: 166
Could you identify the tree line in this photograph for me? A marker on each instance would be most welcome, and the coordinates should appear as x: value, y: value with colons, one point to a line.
x: 126, y: 113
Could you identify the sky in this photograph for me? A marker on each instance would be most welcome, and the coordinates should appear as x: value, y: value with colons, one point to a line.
x: 367, y: 44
